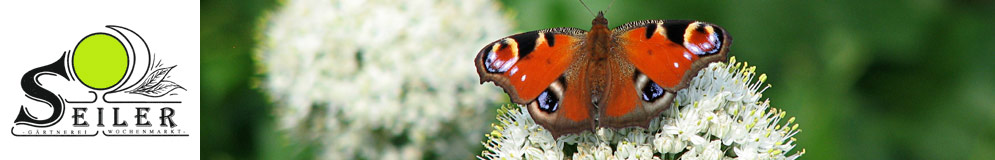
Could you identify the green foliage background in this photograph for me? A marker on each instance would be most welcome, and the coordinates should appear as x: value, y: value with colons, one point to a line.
x: 889, y: 79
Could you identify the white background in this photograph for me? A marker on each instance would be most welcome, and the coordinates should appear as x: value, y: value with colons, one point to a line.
x: 35, y: 33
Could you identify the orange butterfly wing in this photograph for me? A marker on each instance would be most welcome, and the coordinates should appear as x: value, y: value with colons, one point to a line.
x: 667, y: 50
x: 530, y: 67
x: 525, y: 64
x: 665, y: 55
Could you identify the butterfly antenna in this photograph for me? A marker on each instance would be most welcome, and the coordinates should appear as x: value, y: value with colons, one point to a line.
x: 588, y: 8
x: 609, y: 6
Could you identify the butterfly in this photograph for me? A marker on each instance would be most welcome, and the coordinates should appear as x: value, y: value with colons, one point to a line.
x: 572, y: 80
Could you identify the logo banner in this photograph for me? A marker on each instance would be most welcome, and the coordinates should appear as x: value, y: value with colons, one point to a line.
x: 100, y: 79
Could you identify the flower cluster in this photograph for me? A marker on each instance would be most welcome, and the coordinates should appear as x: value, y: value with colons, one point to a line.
x: 381, y: 79
x: 719, y: 116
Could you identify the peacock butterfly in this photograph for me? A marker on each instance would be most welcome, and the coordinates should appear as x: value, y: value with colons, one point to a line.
x: 573, y: 80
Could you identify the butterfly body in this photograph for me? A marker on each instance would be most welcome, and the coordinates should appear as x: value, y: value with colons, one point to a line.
x: 573, y: 80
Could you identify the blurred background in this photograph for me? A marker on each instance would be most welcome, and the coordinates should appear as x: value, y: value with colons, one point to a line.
x: 866, y: 79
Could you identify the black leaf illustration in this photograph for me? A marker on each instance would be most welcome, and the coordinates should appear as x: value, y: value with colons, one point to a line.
x: 154, y: 85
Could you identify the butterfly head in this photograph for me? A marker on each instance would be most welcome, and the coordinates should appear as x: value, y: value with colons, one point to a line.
x: 600, y: 19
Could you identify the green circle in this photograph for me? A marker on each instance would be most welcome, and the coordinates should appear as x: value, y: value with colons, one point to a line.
x: 100, y: 61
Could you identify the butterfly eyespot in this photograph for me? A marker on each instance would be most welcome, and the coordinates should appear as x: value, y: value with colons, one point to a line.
x: 498, y: 59
x: 651, y: 92
x: 548, y: 102
x: 702, y: 39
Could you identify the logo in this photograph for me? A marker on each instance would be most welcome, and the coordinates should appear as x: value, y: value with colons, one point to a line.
x: 109, y: 84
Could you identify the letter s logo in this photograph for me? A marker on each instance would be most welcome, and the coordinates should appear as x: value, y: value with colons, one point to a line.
x: 33, y: 90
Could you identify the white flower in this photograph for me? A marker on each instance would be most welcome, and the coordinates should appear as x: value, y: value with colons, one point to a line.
x: 381, y: 79
x: 719, y: 116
